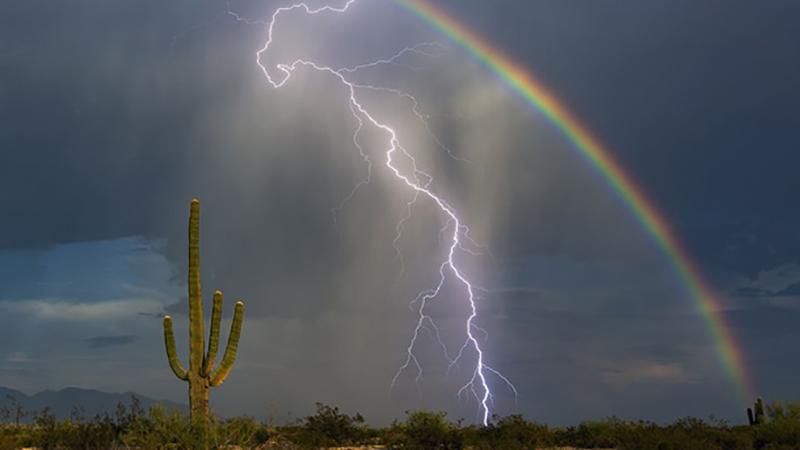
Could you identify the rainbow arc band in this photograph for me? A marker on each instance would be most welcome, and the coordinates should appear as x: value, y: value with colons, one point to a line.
x: 522, y: 82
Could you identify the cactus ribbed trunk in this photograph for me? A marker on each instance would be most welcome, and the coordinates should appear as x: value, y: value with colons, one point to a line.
x: 759, y: 411
x: 198, y: 398
x: 201, y: 375
x: 198, y: 383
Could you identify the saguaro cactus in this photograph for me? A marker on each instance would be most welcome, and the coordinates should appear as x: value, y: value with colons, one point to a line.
x: 202, y: 375
x: 756, y: 416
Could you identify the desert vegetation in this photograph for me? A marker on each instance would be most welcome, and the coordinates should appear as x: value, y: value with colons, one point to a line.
x: 131, y: 427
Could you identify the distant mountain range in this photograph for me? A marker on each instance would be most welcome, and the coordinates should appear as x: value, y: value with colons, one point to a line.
x: 62, y: 403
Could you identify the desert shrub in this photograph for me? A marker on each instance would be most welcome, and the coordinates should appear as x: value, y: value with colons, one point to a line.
x: 131, y: 427
x: 512, y: 433
x: 14, y: 436
x: 243, y: 432
x: 779, y: 434
x: 789, y: 411
x: 684, y: 434
x: 79, y: 433
x: 602, y: 434
x: 161, y: 429
x: 47, y: 432
x: 425, y: 430
x: 331, y: 428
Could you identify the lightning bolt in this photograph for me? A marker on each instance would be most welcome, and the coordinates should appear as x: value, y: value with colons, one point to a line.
x: 418, y: 182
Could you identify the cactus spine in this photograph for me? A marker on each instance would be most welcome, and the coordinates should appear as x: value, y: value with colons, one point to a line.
x: 202, y: 375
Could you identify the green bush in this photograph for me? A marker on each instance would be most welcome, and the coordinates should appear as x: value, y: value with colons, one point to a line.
x: 331, y: 428
x: 157, y: 429
x: 239, y: 431
x: 511, y: 433
x: 425, y: 430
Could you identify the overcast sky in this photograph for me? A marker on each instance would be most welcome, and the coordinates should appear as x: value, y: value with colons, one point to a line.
x: 115, y: 114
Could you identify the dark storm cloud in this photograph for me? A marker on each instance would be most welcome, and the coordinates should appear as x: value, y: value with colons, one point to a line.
x: 98, y: 342
x: 754, y: 292
x: 85, y: 149
x: 793, y: 290
x: 115, y: 114
x: 707, y: 91
x: 131, y: 111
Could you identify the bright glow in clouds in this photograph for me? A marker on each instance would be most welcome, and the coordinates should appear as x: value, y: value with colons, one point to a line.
x: 416, y: 181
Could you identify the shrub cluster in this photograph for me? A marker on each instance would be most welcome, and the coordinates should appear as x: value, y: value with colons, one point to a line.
x: 133, y: 428
x: 130, y: 428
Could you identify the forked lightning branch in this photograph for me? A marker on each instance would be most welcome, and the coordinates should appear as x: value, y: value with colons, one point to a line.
x: 417, y: 182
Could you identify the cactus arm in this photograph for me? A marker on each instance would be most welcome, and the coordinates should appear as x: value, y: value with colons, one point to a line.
x: 196, y: 336
x: 233, y: 345
x: 169, y: 342
x: 213, y: 341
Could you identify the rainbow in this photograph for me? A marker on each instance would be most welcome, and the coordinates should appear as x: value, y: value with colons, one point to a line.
x: 521, y: 81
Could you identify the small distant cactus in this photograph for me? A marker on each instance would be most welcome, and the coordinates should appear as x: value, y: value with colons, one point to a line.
x: 202, y: 375
x: 755, y: 415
